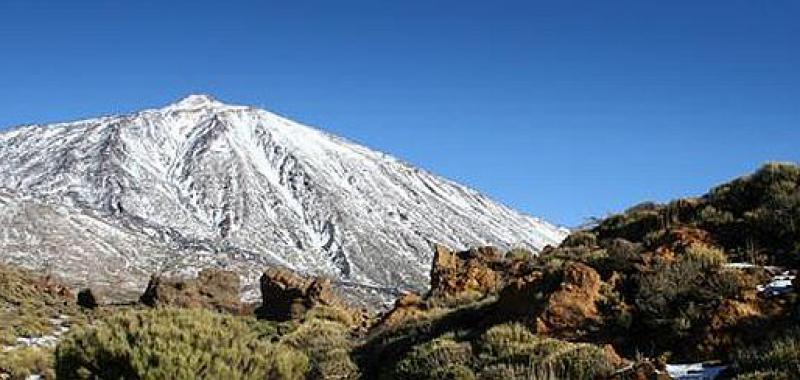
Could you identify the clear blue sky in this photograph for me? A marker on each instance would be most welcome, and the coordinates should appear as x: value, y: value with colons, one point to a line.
x: 562, y: 109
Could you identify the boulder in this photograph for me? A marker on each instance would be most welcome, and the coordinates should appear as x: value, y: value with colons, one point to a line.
x: 562, y: 309
x: 641, y: 370
x: 480, y: 270
x: 88, y: 298
x: 519, y: 297
x: 286, y: 295
x: 572, y: 307
x: 408, y: 307
x: 213, y: 289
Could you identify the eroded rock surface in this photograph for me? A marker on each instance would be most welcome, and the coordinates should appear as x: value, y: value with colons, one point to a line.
x: 286, y: 295
x: 212, y: 289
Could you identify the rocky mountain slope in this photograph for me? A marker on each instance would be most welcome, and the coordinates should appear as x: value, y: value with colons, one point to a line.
x: 200, y: 183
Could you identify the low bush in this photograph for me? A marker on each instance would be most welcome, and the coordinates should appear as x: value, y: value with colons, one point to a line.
x: 327, y: 344
x: 27, y: 304
x: 175, y: 344
x: 777, y: 359
x: 436, y: 359
x: 514, y: 352
x: 520, y: 254
x: 22, y: 363
x: 580, y: 239
x: 707, y: 257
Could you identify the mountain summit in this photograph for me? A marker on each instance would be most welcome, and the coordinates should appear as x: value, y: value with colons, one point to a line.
x: 201, y: 183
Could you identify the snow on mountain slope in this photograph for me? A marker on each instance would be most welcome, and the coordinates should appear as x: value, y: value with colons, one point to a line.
x: 200, y: 183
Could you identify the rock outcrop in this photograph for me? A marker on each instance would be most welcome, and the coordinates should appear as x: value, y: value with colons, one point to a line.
x: 408, y: 307
x: 573, y: 306
x: 286, y: 295
x: 562, y: 309
x: 456, y: 278
x: 88, y: 299
x: 519, y: 297
x: 212, y: 289
x: 480, y: 271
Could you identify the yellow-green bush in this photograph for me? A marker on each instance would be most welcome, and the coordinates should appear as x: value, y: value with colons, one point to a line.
x: 707, y: 257
x: 437, y: 359
x: 520, y: 254
x: 512, y: 351
x: 327, y: 344
x: 25, y: 308
x: 580, y: 239
x: 331, y: 313
x: 23, y: 362
x: 175, y: 344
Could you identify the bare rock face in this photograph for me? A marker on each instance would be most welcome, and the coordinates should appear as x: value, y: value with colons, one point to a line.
x: 557, y: 309
x: 408, y: 307
x: 573, y: 306
x: 286, y: 295
x: 212, y: 289
x: 481, y: 270
x: 456, y: 277
x: 518, y: 297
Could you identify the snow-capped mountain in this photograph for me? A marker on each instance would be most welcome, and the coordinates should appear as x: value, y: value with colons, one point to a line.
x: 199, y: 183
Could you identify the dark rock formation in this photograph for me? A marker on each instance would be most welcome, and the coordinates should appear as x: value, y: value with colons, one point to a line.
x: 285, y: 295
x: 212, y: 289
x: 408, y: 307
x: 89, y: 299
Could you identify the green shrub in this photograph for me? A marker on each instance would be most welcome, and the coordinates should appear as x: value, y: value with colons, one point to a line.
x: 436, y: 359
x: 22, y: 363
x: 505, y: 340
x: 514, y: 352
x: 176, y: 344
x: 632, y: 225
x: 777, y: 359
x: 331, y: 313
x: 327, y: 344
x: 707, y: 257
x: 580, y: 239
x: 26, y: 308
x: 520, y: 254
x: 620, y: 256
x: 762, y: 210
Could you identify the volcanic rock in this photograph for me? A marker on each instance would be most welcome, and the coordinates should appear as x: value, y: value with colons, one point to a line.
x: 87, y: 298
x: 573, y: 306
x: 213, y: 289
x: 286, y: 295
x: 481, y: 270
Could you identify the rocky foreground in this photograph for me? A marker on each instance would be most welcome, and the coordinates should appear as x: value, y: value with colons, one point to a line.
x: 696, y: 286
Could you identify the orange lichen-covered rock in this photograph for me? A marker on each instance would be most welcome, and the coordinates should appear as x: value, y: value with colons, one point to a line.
x: 573, y: 306
x: 475, y: 270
